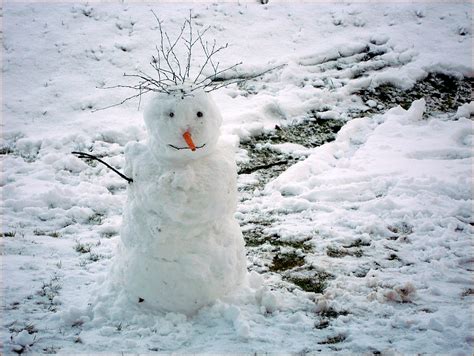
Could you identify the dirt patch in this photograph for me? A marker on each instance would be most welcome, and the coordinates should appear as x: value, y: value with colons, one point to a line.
x: 443, y: 93
x: 333, y: 340
x: 336, y: 252
x: 270, y: 162
x: 256, y: 237
x: 316, y: 283
x: 286, y: 261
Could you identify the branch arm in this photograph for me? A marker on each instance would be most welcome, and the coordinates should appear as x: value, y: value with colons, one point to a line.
x: 87, y: 155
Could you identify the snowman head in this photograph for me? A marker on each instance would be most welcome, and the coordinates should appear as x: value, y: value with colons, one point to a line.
x: 182, y: 120
x: 182, y: 126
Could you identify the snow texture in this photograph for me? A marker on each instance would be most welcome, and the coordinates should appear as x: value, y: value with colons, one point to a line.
x: 385, y: 209
x: 181, y: 247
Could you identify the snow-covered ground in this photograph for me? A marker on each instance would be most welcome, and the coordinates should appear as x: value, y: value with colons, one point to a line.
x: 375, y: 226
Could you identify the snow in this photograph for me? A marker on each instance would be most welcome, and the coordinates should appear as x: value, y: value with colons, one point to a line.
x: 465, y: 110
x: 396, y: 186
x: 181, y: 247
x: 417, y: 192
x: 24, y: 338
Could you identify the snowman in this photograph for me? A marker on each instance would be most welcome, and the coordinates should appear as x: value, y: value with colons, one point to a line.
x: 181, y: 247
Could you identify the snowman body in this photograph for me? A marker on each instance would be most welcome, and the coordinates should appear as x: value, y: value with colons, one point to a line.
x: 181, y: 247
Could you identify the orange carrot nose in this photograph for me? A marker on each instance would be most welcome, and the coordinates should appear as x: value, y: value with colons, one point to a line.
x: 187, y: 137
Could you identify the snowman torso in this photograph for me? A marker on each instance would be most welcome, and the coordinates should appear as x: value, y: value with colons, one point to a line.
x: 178, y: 197
x: 181, y: 247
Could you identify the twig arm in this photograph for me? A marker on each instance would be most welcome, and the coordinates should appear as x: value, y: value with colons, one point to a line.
x: 87, y: 155
x: 249, y: 170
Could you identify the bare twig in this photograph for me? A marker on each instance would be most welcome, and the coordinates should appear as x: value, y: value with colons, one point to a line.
x: 188, y: 63
x: 172, y: 46
x: 209, y: 54
x: 166, y: 53
x: 213, y: 76
x: 172, y: 76
x: 87, y: 155
x: 249, y: 170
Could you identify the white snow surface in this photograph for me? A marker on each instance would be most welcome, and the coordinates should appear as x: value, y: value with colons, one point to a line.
x: 399, y: 183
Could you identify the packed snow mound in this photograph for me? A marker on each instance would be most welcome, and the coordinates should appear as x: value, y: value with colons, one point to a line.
x: 381, y: 154
x: 181, y: 247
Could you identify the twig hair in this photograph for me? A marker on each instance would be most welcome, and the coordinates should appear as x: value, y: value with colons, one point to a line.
x: 172, y: 76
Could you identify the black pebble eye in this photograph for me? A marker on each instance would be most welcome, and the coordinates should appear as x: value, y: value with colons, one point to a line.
x: 171, y: 114
x: 199, y: 114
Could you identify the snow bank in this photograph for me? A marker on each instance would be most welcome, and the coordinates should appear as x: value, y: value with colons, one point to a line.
x: 403, y: 185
